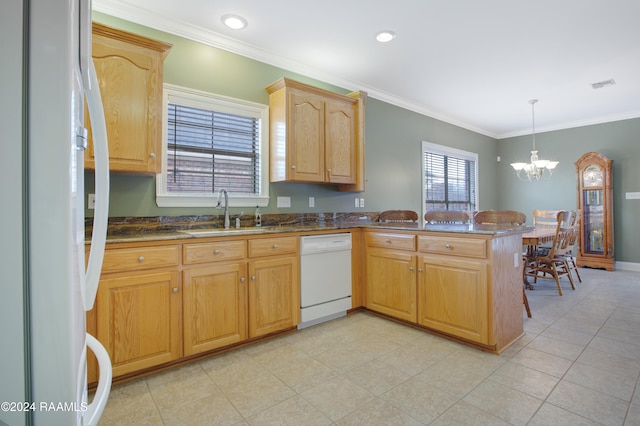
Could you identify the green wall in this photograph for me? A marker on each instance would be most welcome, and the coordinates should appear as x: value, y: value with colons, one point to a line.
x: 393, y: 138
x: 617, y: 140
x: 393, y: 146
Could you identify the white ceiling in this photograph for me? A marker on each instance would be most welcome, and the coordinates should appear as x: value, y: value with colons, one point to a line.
x: 471, y: 63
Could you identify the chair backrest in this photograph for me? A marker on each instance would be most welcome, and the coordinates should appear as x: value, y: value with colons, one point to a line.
x: 500, y: 217
x: 398, y: 216
x: 545, y: 219
x: 446, y: 216
x: 565, y: 233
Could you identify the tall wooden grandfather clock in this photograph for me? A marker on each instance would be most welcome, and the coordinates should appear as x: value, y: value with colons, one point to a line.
x: 595, y: 201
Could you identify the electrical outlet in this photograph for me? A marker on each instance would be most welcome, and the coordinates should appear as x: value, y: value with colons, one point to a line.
x: 357, y: 202
x: 283, y: 202
x: 91, y: 201
x: 312, y: 202
x: 361, y: 203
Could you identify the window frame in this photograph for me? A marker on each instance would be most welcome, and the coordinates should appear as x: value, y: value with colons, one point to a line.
x: 201, y: 99
x: 428, y: 147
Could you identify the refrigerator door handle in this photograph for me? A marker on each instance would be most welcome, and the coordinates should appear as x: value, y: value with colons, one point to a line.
x: 95, y: 409
x: 101, y: 212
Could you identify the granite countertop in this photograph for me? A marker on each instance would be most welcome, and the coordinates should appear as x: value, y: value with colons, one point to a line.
x: 139, y: 230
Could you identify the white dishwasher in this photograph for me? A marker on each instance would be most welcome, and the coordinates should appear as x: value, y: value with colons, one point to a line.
x: 325, y: 277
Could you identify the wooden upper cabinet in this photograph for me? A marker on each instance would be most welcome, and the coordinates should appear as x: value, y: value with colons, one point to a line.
x: 130, y: 74
x: 316, y: 135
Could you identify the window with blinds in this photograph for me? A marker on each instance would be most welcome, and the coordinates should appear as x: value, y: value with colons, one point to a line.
x: 450, y: 178
x: 210, y: 150
x: 212, y: 142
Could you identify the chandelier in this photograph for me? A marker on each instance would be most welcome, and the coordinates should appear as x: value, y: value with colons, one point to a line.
x: 537, y: 169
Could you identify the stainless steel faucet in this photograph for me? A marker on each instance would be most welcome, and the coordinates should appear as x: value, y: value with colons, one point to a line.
x: 226, y: 207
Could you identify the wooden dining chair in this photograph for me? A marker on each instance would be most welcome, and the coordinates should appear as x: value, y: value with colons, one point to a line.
x: 545, y: 218
x: 570, y: 255
x: 398, y: 216
x: 505, y: 217
x: 500, y: 217
x: 446, y: 216
x: 550, y: 263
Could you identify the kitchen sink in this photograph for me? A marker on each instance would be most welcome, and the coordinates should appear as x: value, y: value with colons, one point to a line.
x: 212, y: 232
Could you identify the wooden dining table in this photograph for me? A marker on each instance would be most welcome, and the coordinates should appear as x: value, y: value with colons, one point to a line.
x: 532, y: 240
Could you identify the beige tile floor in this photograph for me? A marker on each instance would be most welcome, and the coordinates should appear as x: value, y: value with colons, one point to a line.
x: 578, y: 364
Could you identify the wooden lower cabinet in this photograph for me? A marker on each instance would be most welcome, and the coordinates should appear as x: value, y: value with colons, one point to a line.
x: 138, y: 319
x: 274, y: 295
x: 453, y: 297
x: 214, y: 307
x: 391, y: 283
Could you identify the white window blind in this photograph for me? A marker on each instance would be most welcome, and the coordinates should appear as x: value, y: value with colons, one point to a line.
x: 450, y: 178
x: 210, y: 150
x: 212, y: 142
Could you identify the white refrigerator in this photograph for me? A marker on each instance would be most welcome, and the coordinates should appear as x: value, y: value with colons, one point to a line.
x: 46, y: 70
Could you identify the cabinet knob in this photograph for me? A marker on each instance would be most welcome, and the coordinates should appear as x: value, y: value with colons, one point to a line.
x: 175, y: 289
x: 253, y: 278
x: 141, y: 259
x: 387, y: 241
x: 152, y: 155
x: 447, y: 246
x: 411, y: 268
x: 275, y: 246
x: 419, y: 269
x: 329, y: 171
x: 216, y: 252
x: 293, y: 167
x: 242, y: 279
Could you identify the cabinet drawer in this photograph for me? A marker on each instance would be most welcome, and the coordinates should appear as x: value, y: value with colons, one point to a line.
x: 453, y: 246
x: 126, y: 259
x: 260, y: 247
x: 213, y: 252
x: 394, y: 241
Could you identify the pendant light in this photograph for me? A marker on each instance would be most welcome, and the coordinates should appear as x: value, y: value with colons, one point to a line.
x: 537, y: 169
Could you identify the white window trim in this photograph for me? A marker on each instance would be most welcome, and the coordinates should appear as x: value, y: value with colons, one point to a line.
x: 448, y: 151
x: 202, y: 99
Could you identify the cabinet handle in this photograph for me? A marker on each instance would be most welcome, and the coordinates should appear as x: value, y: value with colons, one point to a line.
x: 419, y: 269
x: 152, y: 155
x: 293, y: 167
x: 141, y: 259
x: 242, y: 279
x: 216, y: 252
x: 175, y: 289
x: 253, y: 278
x: 411, y: 268
x: 329, y: 171
x: 275, y: 246
x: 447, y: 246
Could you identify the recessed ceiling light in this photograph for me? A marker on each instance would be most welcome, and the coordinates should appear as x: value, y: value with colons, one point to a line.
x: 385, y: 36
x: 235, y: 22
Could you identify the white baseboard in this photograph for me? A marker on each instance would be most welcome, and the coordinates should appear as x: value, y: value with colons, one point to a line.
x: 628, y: 266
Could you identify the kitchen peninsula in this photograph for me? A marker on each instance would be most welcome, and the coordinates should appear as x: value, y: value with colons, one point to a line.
x: 178, y: 289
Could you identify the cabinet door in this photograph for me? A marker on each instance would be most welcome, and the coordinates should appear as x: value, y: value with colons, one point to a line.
x: 306, y: 137
x: 391, y: 283
x: 340, y: 138
x: 130, y: 79
x: 452, y: 297
x: 214, y: 307
x: 274, y: 295
x: 138, y: 318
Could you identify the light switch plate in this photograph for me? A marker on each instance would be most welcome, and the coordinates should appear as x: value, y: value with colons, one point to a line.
x: 91, y: 201
x: 632, y: 195
x: 312, y: 202
x: 283, y: 202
